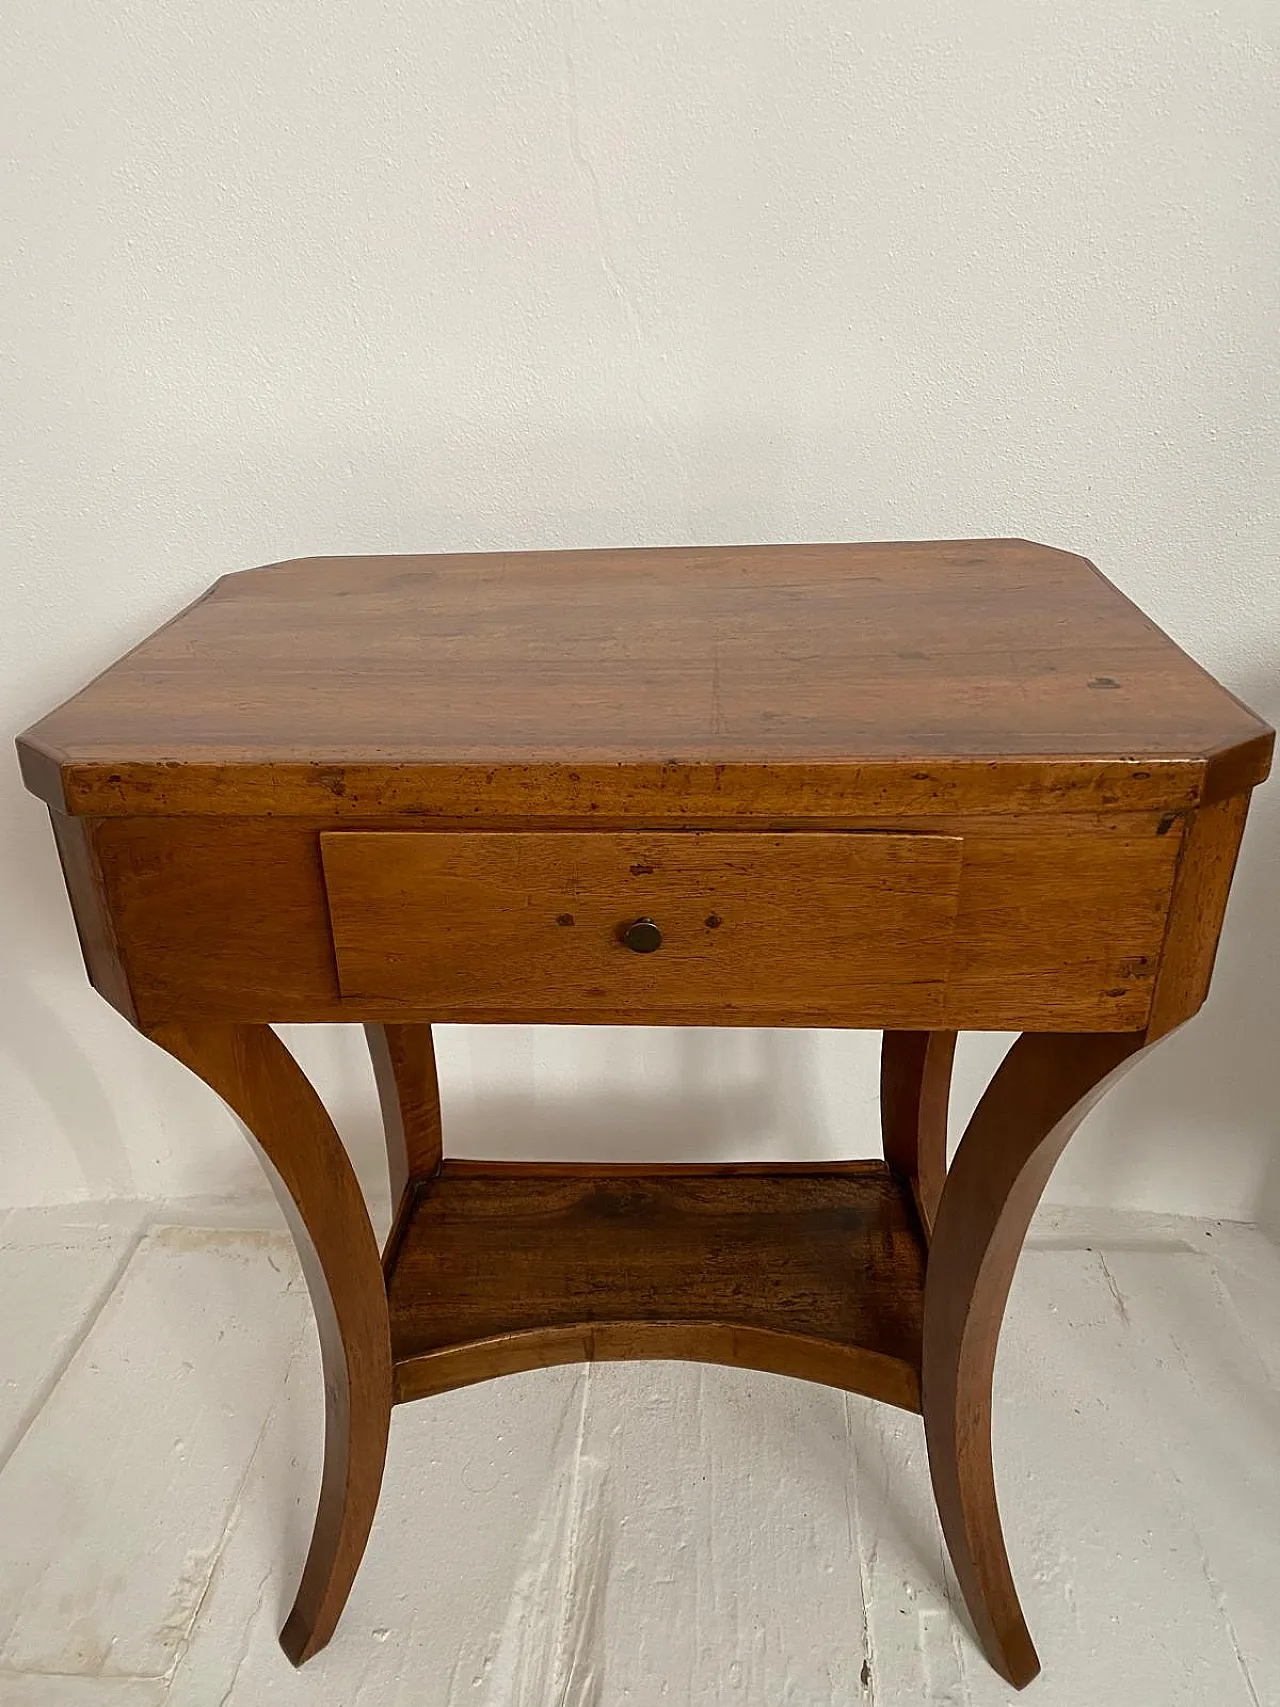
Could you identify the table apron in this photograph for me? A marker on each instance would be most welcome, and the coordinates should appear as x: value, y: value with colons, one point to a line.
x: 1058, y: 924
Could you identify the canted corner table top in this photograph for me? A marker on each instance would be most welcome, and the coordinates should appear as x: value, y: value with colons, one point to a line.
x: 921, y: 788
x: 919, y: 677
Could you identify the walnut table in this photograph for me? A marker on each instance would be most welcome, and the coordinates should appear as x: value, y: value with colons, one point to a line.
x: 920, y: 788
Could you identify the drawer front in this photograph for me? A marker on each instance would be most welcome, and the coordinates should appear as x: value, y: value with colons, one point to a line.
x: 842, y: 927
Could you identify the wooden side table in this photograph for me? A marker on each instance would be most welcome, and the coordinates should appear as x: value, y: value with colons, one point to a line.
x: 920, y: 788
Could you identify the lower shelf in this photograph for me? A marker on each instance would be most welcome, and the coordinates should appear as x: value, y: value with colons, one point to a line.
x: 811, y: 1270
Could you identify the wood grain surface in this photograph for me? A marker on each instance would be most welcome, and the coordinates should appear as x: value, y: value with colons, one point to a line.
x: 404, y: 1071
x: 856, y: 927
x: 915, y: 1090
x: 814, y: 1271
x: 1206, y: 865
x: 254, y: 1074
x: 964, y: 675
x: 1040, y: 1093
x: 229, y: 919
x: 92, y: 910
x: 928, y: 788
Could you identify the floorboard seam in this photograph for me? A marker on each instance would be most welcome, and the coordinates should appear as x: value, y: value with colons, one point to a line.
x: 868, y: 1676
x: 233, y: 1515
x: 575, y: 1683
x: 88, y: 1321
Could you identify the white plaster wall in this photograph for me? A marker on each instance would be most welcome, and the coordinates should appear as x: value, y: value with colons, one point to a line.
x: 370, y: 275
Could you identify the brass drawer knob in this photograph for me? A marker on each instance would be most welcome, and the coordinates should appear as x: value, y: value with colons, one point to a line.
x: 643, y: 937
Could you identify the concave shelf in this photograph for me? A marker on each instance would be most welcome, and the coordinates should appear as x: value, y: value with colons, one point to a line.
x: 811, y: 1270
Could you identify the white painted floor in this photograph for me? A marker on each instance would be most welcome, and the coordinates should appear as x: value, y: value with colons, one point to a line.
x: 661, y: 1535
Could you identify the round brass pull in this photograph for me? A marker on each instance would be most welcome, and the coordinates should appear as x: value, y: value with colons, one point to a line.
x: 643, y: 937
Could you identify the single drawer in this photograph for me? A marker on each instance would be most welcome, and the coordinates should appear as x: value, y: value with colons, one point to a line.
x: 845, y: 928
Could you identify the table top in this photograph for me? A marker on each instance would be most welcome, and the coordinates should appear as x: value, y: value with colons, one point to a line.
x: 919, y: 676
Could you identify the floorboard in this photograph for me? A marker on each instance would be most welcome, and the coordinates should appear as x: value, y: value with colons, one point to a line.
x: 115, y: 1503
x: 631, y: 1534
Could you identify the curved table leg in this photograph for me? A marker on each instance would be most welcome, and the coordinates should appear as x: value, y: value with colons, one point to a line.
x: 404, y: 1068
x: 1039, y: 1095
x: 915, y: 1087
x: 256, y: 1076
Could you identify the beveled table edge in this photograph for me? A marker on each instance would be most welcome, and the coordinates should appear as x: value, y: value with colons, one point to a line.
x: 557, y: 786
